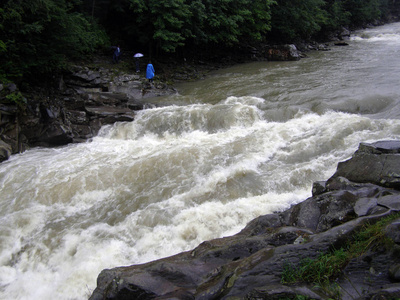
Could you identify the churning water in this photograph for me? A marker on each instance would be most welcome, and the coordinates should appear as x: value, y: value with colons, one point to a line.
x: 246, y: 141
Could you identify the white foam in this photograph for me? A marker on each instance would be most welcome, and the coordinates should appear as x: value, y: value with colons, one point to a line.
x: 129, y: 201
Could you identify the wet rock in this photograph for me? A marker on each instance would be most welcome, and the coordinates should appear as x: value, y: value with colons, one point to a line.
x: 282, y: 53
x: 318, y: 188
x: 344, y: 34
x: 54, y: 135
x: 5, y: 151
x: 364, y: 205
x: 77, y: 117
x: 84, y: 100
x: 374, y: 163
x: 393, y: 232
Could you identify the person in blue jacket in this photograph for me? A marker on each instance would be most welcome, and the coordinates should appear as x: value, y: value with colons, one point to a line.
x: 150, y: 72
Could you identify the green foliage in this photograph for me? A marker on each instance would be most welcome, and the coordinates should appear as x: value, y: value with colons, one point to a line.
x: 319, y: 270
x: 162, y: 22
x: 363, y: 11
x: 231, y: 21
x: 38, y: 36
x: 17, y: 99
x: 337, y: 15
x: 171, y: 24
x: 306, y: 19
x: 292, y: 19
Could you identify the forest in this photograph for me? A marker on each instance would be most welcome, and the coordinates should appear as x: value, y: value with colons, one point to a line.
x: 39, y: 37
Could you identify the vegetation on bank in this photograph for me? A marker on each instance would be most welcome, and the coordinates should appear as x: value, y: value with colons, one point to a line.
x: 38, y: 37
x: 323, y: 270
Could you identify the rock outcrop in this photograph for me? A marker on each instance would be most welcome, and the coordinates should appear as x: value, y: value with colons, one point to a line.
x: 86, y: 99
x: 250, y: 264
x: 282, y: 53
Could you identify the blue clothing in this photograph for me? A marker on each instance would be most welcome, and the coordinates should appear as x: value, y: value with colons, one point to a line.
x: 150, y: 71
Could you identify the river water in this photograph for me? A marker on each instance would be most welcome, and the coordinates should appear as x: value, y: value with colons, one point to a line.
x: 246, y: 141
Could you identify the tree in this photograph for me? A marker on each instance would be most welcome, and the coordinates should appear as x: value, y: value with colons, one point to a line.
x: 161, y: 22
x: 172, y: 24
x: 258, y: 23
x: 337, y: 15
x: 363, y: 11
x: 297, y: 19
x: 227, y: 22
x: 40, y: 35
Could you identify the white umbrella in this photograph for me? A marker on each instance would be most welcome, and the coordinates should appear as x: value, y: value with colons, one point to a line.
x: 138, y: 55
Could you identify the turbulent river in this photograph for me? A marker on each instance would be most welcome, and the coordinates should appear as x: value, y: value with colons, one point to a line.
x: 246, y: 141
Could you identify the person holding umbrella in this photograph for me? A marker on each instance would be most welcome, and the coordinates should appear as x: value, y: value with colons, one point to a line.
x: 150, y: 72
x: 137, y: 63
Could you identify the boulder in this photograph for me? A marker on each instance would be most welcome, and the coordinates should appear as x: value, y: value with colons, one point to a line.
x: 282, y: 53
x: 5, y: 151
x: 376, y: 163
x: 249, y: 265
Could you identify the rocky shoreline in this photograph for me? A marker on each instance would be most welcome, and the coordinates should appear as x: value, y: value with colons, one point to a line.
x: 257, y: 262
x: 87, y: 97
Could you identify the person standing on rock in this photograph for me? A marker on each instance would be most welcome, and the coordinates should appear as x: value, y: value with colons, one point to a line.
x: 116, y: 54
x: 137, y: 63
x: 150, y: 72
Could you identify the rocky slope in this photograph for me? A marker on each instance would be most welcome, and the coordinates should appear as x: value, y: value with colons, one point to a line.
x: 86, y: 99
x: 251, y: 264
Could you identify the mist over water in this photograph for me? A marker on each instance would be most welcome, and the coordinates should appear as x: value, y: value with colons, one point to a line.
x: 246, y: 141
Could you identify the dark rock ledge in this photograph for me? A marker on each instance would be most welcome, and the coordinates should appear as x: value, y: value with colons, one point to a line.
x: 249, y: 264
x: 85, y: 100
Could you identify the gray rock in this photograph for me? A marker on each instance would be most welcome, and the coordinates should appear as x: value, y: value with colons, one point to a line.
x: 364, y: 205
x: 5, y: 151
x: 318, y: 188
x: 282, y: 53
x: 393, y: 231
x: 376, y: 163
